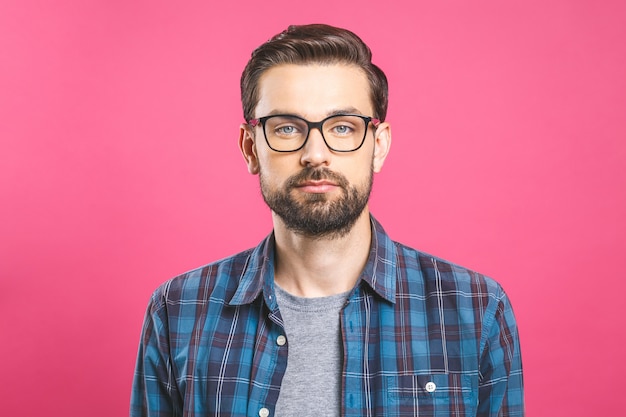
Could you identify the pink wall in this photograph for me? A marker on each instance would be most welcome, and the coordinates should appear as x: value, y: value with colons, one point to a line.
x: 119, y: 169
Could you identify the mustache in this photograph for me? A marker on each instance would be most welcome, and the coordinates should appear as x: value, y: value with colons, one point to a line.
x: 316, y: 174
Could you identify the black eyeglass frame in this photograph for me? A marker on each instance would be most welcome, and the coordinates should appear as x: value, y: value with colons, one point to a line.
x: 315, y: 125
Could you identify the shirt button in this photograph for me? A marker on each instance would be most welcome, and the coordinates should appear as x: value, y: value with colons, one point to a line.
x: 430, y: 387
x: 280, y: 341
x: 264, y: 412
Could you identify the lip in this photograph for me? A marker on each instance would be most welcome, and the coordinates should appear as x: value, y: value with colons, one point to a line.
x: 319, y: 186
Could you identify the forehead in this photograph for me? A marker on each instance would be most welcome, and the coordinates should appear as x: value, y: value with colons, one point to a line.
x: 313, y: 90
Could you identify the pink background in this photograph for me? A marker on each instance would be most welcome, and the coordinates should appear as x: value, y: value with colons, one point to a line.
x: 119, y: 169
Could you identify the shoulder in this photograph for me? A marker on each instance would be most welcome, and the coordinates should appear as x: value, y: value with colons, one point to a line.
x: 216, y: 281
x: 430, y: 274
x: 458, y: 295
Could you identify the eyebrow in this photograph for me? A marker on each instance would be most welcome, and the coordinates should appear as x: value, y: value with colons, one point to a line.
x: 345, y: 110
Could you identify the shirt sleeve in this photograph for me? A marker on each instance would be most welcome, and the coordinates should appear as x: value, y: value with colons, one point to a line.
x: 155, y: 392
x: 501, y: 388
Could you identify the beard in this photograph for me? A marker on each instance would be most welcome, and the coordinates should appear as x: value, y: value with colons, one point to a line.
x: 317, y: 216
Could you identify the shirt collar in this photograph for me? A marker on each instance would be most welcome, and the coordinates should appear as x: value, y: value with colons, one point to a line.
x: 258, y: 275
x: 381, y: 268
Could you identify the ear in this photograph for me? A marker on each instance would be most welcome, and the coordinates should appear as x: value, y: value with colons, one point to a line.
x: 382, y: 144
x: 247, y: 146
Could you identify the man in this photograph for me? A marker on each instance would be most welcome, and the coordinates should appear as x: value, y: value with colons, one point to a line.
x: 327, y: 316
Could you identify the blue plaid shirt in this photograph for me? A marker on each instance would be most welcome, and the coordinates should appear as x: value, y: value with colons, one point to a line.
x: 420, y: 336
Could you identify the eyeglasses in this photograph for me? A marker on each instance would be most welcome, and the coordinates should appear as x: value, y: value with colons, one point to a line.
x: 289, y: 133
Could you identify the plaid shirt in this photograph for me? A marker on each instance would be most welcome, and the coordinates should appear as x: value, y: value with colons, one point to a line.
x: 421, y: 337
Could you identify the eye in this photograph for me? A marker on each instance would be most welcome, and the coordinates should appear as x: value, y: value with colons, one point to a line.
x: 342, y: 130
x: 286, y: 130
x: 343, y: 126
x: 285, y: 127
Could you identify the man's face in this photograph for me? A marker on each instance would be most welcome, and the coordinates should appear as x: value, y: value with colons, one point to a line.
x: 314, y: 191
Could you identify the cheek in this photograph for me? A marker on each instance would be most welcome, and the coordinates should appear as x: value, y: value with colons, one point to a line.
x: 360, y: 171
x: 277, y: 168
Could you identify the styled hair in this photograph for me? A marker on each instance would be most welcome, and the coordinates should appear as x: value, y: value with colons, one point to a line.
x: 313, y: 44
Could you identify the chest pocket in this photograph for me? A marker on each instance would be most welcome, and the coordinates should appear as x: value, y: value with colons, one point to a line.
x: 432, y: 395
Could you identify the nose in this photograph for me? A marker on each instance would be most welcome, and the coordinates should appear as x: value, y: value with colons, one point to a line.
x: 315, y: 152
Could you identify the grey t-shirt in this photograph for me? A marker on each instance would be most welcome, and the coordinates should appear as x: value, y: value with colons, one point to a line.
x: 312, y: 382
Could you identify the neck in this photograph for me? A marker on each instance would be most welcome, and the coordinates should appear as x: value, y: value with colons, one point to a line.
x: 316, y: 267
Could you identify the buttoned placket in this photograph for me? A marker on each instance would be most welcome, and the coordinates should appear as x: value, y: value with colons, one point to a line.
x: 265, y: 402
x: 352, y: 336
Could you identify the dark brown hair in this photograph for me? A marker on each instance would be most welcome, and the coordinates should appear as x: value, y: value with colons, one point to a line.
x: 308, y: 44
